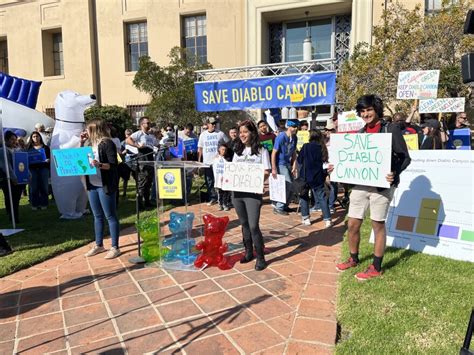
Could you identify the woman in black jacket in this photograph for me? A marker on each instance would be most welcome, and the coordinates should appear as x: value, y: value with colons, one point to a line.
x: 310, y: 160
x: 103, y: 187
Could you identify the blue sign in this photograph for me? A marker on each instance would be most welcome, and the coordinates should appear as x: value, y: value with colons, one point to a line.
x: 267, y: 92
x: 74, y: 161
x: 36, y: 156
x: 20, y: 167
x: 191, y: 145
x: 177, y: 152
x: 459, y: 139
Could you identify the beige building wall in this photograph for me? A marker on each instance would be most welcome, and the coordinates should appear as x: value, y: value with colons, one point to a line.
x: 237, y: 35
x: 23, y: 24
x: 225, y: 41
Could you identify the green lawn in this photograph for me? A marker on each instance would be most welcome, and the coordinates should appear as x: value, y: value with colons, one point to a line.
x: 421, y: 304
x: 46, y: 235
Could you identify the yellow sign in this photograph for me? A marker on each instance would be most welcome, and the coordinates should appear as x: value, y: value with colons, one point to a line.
x: 297, y: 97
x: 303, y: 137
x: 169, y: 184
x: 412, y: 141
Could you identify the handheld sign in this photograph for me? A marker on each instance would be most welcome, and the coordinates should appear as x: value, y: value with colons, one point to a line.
x: 361, y: 158
x: 169, y: 184
x: 459, y: 139
x: 349, y: 122
x: 74, y: 161
x: 442, y: 105
x: 244, y: 177
x: 421, y: 84
x: 20, y: 166
x: 36, y: 156
x: 218, y: 170
x: 303, y: 137
x: 411, y: 141
x: 277, y: 188
x: 178, y: 151
x: 191, y: 145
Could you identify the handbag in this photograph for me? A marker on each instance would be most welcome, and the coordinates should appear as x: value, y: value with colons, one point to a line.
x: 300, y: 186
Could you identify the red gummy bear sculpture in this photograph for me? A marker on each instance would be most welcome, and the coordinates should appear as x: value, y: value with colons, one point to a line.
x: 212, y: 247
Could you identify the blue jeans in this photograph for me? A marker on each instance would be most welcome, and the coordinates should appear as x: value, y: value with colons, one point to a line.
x: 333, y: 194
x: 319, y: 197
x: 104, y: 206
x: 39, y: 187
x: 285, y: 170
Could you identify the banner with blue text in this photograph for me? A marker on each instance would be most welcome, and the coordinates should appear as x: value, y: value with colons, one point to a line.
x: 278, y: 91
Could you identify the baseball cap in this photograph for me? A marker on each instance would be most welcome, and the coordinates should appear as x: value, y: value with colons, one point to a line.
x: 211, y: 120
x: 292, y: 123
x: 432, y: 123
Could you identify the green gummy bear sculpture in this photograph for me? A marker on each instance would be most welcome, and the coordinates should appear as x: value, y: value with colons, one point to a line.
x: 151, y: 247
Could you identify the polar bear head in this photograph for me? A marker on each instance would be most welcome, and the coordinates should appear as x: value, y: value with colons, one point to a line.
x: 69, y: 106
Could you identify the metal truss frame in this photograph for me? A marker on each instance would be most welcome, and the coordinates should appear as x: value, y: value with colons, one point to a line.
x: 265, y: 70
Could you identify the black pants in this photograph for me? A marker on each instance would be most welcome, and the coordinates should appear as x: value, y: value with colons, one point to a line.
x: 224, y: 197
x: 248, y: 205
x: 145, y: 180
x: 211, y: 191
x: 16, y: 196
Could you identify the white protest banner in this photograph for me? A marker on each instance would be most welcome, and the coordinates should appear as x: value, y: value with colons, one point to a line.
x: 421, y: 84
x: 349, y: 122
x: 244, y: 177
x: 431, y: 214
x: 277, y: 188
x: 455, y: 104
x: 361, y: 158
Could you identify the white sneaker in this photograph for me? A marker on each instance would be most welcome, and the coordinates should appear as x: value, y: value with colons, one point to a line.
x: 212, y: 202
x: 306, y: 221
x: 95, y: 250
x: 113, y: 253
x: 328, y: 224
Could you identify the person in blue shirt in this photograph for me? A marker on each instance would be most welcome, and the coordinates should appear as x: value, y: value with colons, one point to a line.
x: 284, y: 160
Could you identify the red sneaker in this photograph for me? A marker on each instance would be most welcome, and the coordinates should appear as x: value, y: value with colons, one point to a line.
x: 370, y: 273
x: 347, y: 265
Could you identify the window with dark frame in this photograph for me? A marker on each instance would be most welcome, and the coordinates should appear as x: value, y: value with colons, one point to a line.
x: 58, y: 59
x: 194, y: 39
x: 431, y: 6
x: 3, y: 56
x: 137, y: 44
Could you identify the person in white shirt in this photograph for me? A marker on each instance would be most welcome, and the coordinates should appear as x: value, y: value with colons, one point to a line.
x: 144, y: 141
x: 207, y: 149
x: 247, y: 204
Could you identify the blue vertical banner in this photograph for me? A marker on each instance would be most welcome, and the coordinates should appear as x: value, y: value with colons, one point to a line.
x: 21, y: 168
x: 296, y: 90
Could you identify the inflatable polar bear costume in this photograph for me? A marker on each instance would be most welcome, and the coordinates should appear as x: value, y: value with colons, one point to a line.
x: 69, y: 192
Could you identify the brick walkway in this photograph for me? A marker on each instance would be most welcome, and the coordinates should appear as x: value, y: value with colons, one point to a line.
x: 70, y: 304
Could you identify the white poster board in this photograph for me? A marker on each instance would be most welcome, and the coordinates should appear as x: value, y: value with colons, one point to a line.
x: 432, y: 211
x: 349, y: 122
x: 277, y: 188
x: 455, y: 104
x: 361, y: 158
x: 421, y: 84
x: 244, y: 177
x: 218, y: 170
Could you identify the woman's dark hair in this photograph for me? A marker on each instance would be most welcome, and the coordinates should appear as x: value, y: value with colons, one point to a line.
x: 30, y: 140
x: 370, y: 101
x: 317, y: 137
x: 254, y: 140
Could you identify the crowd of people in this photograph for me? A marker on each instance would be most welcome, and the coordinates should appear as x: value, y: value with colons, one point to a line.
x: 248, y: 141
